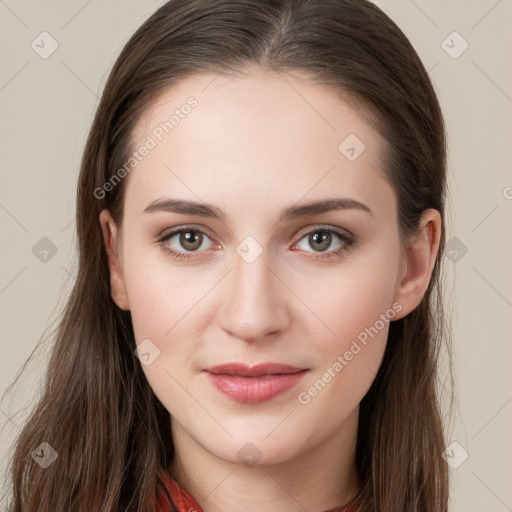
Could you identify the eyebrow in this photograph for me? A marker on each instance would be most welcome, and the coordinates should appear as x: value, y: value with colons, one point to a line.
x: 173, y: 205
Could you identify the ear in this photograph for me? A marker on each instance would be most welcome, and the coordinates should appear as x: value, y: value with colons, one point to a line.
x: 111, y: 239
x: 418, y: 262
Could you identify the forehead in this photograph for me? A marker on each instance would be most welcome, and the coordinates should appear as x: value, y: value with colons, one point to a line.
x: 267, y: 136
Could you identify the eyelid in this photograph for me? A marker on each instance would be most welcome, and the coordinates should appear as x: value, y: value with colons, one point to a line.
x: 183, y: 227
x: 326, y: 227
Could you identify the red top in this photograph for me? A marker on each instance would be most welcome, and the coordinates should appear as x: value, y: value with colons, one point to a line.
x: 186, y: 503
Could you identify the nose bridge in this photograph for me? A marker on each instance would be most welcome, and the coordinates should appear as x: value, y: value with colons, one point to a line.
x: 253, y: 305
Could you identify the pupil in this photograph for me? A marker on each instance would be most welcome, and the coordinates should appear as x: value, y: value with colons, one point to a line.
x: 191, y: 238
x: 325, y: 236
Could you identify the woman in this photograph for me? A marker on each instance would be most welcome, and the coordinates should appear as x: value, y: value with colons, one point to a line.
x: 210, y: 356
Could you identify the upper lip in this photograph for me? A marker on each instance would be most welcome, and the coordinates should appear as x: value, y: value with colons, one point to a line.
x: 244, y: 370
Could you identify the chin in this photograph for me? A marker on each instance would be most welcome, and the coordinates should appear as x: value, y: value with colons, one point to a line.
x: 255, y: 450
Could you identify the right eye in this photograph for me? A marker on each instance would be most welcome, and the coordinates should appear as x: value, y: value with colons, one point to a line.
x: 190, y: 240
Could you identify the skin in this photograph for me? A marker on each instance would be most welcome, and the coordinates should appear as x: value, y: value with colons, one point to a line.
x: 251, y: 147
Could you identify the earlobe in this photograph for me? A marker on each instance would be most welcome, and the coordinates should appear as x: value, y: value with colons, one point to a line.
x: 110, y: 238
x: 418, y: 263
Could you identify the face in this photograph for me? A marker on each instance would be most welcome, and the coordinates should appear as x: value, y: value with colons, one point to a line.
x: 258, y: 277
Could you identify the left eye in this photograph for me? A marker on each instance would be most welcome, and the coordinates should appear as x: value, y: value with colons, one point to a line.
x: 322, y: 239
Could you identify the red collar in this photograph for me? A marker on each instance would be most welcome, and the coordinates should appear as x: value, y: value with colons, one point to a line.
x: 186, y: 503
x: 182, y: 498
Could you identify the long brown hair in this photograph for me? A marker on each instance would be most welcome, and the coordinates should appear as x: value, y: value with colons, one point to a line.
x: 97, y: 410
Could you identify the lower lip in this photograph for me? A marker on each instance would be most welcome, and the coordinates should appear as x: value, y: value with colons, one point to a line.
x: 253, y: 390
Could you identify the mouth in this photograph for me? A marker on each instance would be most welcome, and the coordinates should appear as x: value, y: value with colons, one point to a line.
x: 254, y: 384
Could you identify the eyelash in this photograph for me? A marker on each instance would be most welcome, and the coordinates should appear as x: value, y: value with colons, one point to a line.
x: 347, y: 241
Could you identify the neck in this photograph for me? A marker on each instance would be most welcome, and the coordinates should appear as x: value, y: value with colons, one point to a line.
x: 321, y: 478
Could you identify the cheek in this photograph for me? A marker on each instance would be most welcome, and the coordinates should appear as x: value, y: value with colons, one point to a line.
x: 352, y: 297
x: 357, y: 309
x: 165, y: 305
x: 351, y: 357
x: 161, y: 295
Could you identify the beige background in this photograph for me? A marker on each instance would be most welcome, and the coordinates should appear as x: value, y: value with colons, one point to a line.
x: 47, y: 107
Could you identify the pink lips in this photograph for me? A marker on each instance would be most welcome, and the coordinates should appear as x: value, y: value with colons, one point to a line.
x: 254, y: 384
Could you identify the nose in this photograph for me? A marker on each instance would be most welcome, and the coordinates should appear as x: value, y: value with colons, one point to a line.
x: 254, y: 303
